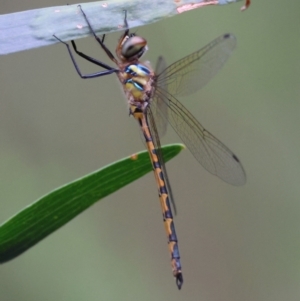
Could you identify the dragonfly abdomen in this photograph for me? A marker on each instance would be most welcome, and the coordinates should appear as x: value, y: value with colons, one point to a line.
x: 169, y: 226
x: 164, y: 199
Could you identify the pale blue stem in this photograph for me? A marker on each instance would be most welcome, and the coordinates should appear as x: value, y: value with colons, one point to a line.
x: 35, y: 28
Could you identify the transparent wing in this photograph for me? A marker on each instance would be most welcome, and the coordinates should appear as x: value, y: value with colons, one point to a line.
x: 155, y: 139
x: 212, y: 154
x: 192, y: 72
x: 161, y: 106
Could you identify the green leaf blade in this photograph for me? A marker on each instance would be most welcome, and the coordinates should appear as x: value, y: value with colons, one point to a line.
x: 55, y: 209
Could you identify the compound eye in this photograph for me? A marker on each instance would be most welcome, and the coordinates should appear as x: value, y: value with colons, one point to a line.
x: 134, y: 47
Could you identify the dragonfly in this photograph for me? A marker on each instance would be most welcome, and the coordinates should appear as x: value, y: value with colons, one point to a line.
x: 151, y: 100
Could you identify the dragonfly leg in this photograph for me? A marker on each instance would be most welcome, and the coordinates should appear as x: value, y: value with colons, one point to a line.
x: 92, y: 75
x: 90, y: 59
x: 100, y: 41
x: 126, y: 32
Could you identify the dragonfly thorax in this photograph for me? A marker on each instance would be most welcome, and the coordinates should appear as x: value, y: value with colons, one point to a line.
x: 138, y: 80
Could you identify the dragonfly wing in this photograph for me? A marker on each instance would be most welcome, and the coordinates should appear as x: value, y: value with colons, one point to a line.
x: 212, y: 154
x: 157, y: 145
x: 160, y: 108
x: 192, y: 72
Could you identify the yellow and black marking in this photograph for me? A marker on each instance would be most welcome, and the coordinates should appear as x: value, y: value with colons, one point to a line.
x: 163, y: 195
x: 136, y: 81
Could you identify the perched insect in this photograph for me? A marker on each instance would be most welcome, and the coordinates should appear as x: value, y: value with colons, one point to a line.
x: 152, y: 102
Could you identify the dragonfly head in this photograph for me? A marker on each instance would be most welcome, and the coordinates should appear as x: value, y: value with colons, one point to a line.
x: 133, y: 47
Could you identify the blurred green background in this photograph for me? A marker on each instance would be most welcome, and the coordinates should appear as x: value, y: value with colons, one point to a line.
x: 236, y: 243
